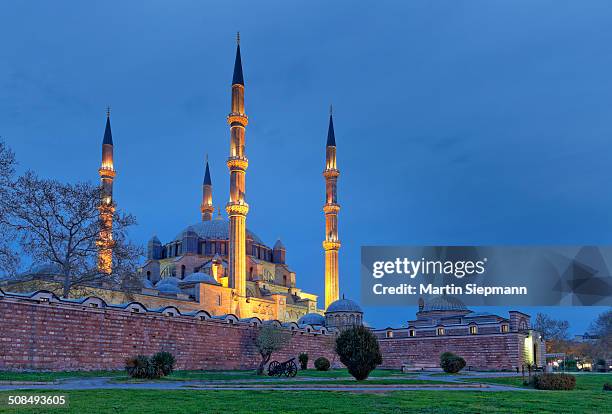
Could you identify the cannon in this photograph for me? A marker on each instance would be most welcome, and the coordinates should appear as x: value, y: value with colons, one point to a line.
x: 287, y: 368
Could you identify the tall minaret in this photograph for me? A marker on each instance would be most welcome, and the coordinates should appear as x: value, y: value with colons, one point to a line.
x: 331, y: 244
x: 237, y: 208
x: 207, y: 204
x: 107, y: 206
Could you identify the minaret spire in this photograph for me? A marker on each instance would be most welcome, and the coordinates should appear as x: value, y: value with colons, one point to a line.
x: 207, y: 207
x: 331, y: 244
x: 106, y: 208
x: 237, y: 208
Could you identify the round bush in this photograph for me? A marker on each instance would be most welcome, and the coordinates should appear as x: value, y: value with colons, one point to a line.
x: 322, y: 364
x: 451, y: 363
x: 554, y: 382
x: 140, y: 367
x: 358, y: 350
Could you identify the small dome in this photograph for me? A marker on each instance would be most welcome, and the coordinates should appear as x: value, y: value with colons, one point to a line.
x: 344, y: 305
x: 45, y: 269
x: 312, y: 319
x: 279, y: 245
x: 146, y: 283
x: 444, y: 303
x: 200, y: 277
x: 168, y: 285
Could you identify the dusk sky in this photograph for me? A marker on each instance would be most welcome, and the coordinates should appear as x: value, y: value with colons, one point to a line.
x: 457, y: 122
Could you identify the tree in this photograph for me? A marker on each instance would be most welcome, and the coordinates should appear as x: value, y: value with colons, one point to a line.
x: 602, y: 329
x: 59, y: 224
x: 554, y: 332
x: 269, y: 340
x: 9, y: 260
x: 358, y: 350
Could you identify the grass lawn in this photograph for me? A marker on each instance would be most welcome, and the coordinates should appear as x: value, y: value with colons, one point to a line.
x: 52, y: 376
x: 584, y: 382
x: 430, y: 402
x: 391, y: 381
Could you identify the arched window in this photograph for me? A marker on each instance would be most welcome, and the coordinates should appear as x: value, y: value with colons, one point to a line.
x: 285, y: 280
x: 148, y: 275
x: 182, y: 271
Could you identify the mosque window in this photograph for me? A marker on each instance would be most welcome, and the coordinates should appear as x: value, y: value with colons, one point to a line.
x: 412, y: 333
x: 182, y: 271
x: 148, y: 275
x: 505, y: 328
x: 285, y: 280
x: 389, y: 334
x: 219, y: 300
x: 440, y: 331
x: 473, y: 330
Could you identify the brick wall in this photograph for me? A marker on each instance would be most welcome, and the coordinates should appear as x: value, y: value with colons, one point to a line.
x: 56, y: 336
x: 500, y: 351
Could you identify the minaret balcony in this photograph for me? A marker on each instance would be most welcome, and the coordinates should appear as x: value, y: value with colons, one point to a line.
x: 331, y: 208
x: 237, y: 208
x: 331, y: 173
x: 237, y: 118
x: 237, y: 163
x: 331, y: 245
x: 107, y: 171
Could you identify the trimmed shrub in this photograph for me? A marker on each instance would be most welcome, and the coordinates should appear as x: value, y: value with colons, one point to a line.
x: 358, y: 350
x: 163, y: 362
x: 607, y: 387
x: 451, y: 363
x: 303, y: 358
x: 322, y: 364
x: 554, y: 382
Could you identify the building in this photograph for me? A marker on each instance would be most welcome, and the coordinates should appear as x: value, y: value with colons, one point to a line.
x: 445, y: 324
x: 217, y: 264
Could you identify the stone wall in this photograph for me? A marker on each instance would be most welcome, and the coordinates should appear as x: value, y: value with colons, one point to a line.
x: 53, y: 335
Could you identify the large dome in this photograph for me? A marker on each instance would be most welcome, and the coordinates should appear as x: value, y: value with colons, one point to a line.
x: 344, y: 305
x: 216, y: 229
x: 444, y: 303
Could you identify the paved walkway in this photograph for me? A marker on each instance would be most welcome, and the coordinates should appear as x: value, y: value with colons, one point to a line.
x: 303, y: 384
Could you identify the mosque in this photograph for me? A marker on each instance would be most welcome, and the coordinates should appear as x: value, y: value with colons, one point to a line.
x: 218, y: 264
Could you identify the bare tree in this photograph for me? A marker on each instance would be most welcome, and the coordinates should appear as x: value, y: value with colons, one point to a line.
x: 269, y: 340
x: 554, y: 332
x: 601, y: 328
x: 60, y: 224
x: 9, y: 260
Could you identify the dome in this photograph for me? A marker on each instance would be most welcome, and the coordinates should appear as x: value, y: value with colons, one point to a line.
x: 312, y: 319
x: 444, y: 303
x: 344, y: 305
x: 146, y: 283
x: 217, y: 229
x: 168, y: 285
x: 279, y: 245
x: 45, y: 269
x: 200, y: 277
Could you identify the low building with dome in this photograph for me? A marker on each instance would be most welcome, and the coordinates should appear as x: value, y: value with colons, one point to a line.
x: 444, y: 324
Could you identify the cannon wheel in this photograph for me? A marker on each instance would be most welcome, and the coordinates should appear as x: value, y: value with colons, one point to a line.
x: 273, y: 368
x: 291, y: 370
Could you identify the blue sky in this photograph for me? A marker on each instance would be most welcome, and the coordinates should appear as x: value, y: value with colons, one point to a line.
x: 457, y: 122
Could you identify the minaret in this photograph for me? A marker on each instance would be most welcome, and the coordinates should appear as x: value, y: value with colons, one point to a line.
x: 237, y: 208
x: 207, y: 204
x: 331, y: 244
x: 107, y: 207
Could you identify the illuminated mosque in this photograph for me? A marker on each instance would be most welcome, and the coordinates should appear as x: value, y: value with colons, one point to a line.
x: 219, y: 264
